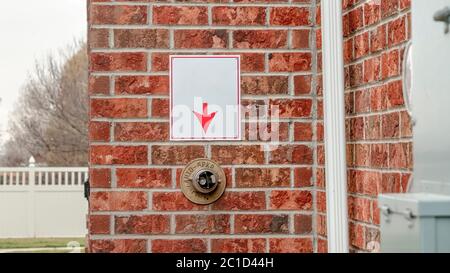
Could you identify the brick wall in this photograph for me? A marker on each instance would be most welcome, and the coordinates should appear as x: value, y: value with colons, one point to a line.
x: 379, y: 133
x: 275, y: 201
x: 270, y: 202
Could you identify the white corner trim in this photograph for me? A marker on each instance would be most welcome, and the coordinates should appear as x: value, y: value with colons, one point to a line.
x: 334, y: 119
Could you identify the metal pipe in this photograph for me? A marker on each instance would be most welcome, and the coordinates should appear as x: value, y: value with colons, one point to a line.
x: 334, y: 118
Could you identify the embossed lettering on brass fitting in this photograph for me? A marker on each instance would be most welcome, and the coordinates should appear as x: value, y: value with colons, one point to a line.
x: 203, y: 181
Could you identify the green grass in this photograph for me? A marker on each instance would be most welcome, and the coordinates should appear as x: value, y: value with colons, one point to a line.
x: 38, y: 243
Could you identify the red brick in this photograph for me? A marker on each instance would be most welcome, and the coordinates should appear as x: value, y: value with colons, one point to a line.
x: 180, y: 15
x: 320, y: 155
x: 100, y: 178
x: 238, y: 245
x: 359, y: 209
x: 303, y: 177
x: 292, y: 108
x: 290, y: 16
x: 372, y: 69
x: 303, y: 131
x: 291, y: 200
x: 300, y: 39
x: 232, y: 201
x: 202, y: 224
x: 397, y: 31
x: 362, y: 101
x: 99, y: 224
x: 406, y: 180
x: 389, y: 7
x: 400, y: 156
x: 141, y: 131
x: 118, y: 246
x: 231, y: 16
x: 362, y: 155
x: 357, y: 74
x: 99, y: 131
x: 269, y: 132
x: 372, y: 12
x: 160, y: 108
x: 176, y: 155
x: 99, y: 38
x: 290, y: 62
x: 405, y: 4
x: 141, y: 38
x: 261, y: 224
x: 391, y: 125
x: 390, y: 64
x: 349, y: 100
x: 118, y: 62
x: 291, y: 245
x: 356, y: 128
x: 118, y: 15
x: 302, y: 85
x: 378, y: 39
x: 244, y: 39
x: 321, y: 201
x: 320, y: 132
x: 303, y: 224
x: 291, y: 154
x: 379, y: 155
x: 265, y: 85
x: 98, y: 85
x: 356, y: 19
x: 233, y: 154
x: 201, y: 38
x: 118, y: 201
x: 252, y: 177
x: 144, y: 178
x: 348, y: 50
x: 173, y: 201
x: 394, y: 94
x: 361, y: 45
x: 364, y: 182
x: 321, y: 224
x: 179, y: 246
x: 119, y: 108
x: 357, y: 235
x: 119, y: 155
x: 322, y: 246
x: 406, y: 125
x: 252, y: 62
x: 376, y: 213
x: 373, y: 128
x: 391, y: 183
x: 143, y: 225
x: 155, y: 85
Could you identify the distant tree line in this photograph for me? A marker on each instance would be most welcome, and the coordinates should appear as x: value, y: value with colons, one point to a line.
x: 50, y: 119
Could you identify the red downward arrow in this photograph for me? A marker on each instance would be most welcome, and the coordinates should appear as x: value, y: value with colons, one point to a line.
x: 205, y: 118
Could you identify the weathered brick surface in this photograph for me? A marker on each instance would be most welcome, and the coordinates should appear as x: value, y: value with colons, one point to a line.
x: 136, y: 203
x: 238, y: 245
x: 378, y: 127
x: 118, y: 246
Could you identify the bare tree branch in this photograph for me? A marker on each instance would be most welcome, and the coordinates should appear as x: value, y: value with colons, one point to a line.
x: 50, y: 118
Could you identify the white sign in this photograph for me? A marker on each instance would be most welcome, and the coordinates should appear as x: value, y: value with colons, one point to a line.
x: 205, y: 97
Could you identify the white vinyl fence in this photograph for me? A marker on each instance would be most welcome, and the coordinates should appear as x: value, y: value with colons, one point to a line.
x: 40, y: 202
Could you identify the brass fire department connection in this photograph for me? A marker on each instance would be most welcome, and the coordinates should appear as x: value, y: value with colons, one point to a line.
x: 203, y: 181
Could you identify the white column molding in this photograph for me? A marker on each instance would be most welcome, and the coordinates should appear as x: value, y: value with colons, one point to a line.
x: 334, y: 119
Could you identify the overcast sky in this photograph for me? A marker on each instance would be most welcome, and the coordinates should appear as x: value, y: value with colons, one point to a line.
x: 29, y: 31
